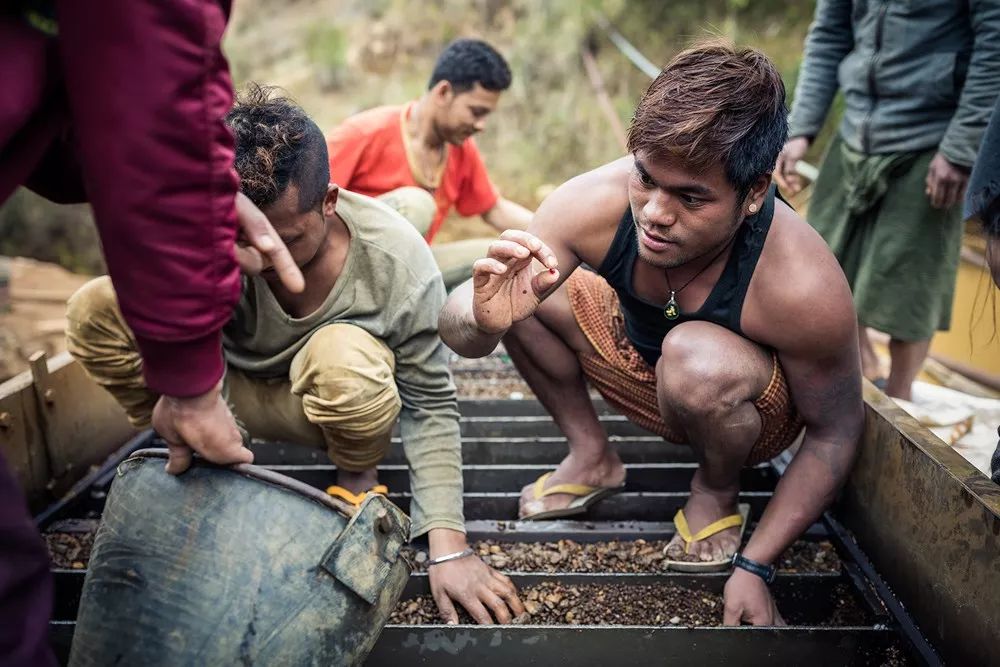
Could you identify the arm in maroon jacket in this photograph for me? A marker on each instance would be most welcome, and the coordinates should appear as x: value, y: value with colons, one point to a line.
x: 148, y: 90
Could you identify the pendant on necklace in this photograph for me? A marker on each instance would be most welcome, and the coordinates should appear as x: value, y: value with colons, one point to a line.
x: 671, y: 311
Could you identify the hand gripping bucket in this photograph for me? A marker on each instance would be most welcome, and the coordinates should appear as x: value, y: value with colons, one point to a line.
x: 236, y: 566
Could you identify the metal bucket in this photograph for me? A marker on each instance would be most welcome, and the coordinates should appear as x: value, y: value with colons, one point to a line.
x: 236, y: 566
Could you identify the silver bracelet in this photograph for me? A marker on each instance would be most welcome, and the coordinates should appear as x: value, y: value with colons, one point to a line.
x: 448, y: 557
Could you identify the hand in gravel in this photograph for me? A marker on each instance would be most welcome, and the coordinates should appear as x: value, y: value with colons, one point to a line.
x: 202, y: 424
x: 747, y: 599
x: 476, y: 586
x: 507, y: 287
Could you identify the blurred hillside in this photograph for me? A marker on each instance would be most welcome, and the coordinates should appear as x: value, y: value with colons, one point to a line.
x: 337, y: 57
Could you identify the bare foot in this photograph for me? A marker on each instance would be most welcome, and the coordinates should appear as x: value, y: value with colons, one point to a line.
x: 703, y: 508
x: 607, y: 471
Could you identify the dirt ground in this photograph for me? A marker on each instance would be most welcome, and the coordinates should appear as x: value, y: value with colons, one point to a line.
x: 35, y: 318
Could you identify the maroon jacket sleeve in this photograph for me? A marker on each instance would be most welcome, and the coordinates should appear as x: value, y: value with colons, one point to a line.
x: 148, y: 90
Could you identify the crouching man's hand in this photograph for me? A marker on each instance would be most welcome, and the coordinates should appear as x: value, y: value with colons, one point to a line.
x: 747, y: 598
x: 482, y: 591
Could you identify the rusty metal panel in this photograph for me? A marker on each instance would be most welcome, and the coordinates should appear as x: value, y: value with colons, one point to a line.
x: 82, y: 423
x: 55, y: 423
x: 930, y: 522
x: 21, y: 439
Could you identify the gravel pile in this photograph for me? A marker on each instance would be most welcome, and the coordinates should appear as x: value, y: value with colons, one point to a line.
x: 70, y: 550
x: 554, y: 603
x: 620, y: 557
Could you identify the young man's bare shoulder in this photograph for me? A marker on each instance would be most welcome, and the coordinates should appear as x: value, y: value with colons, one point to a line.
x: 585, y: 204
x: 798, y: 288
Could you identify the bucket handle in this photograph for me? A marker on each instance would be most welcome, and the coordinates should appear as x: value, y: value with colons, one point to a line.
x: 250, y: 470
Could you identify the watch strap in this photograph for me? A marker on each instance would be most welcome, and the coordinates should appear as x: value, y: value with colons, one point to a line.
x: 765, y: 572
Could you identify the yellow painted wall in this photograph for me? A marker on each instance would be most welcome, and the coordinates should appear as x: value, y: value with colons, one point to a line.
x: 976, y: 308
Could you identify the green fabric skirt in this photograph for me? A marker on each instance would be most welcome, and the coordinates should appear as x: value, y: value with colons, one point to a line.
x: 899, y: 253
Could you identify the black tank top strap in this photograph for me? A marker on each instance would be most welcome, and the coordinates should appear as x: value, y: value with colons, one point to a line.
x: 616, y: 259
x: 754, y: 232
x: 645, y: 324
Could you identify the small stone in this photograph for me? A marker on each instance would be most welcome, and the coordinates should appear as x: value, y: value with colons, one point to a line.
x: 77, y: 565
x: 675, y: 620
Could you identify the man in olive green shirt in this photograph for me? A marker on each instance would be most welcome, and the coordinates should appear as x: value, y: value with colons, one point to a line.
x: 337, y: 363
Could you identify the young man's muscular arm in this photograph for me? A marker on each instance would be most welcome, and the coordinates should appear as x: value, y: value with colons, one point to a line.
x: 507, y: 214
x: 563, y: 219
x: 810, y: 321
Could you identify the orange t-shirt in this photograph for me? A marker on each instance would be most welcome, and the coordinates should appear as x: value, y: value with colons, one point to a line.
x: 367, y: 155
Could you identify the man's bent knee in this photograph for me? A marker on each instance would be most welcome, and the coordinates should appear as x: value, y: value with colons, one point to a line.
x: 346, y: 378
x: 704, y: 368
x: 94, y: 301
x: 413, y: 203
x: 101, y: 342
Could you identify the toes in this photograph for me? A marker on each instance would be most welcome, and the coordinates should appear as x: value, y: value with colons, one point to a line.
x: 675, y: 549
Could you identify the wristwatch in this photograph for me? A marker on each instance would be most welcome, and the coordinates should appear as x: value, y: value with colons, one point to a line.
x: 765, y: 572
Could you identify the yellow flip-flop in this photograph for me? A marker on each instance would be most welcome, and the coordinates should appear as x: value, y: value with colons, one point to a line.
x: 356, y: 498
x: 741, y: 519
x: 586, y: 496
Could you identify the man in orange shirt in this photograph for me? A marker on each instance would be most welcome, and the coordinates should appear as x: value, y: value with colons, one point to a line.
x: 420, y: 158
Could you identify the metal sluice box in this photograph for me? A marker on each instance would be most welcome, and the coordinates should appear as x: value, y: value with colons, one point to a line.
x: 507, y: 444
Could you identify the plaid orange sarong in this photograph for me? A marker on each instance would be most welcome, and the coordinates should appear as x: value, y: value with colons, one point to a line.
x: 627, y: 382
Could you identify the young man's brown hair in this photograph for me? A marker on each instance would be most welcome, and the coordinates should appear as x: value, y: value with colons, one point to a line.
x: 714, y: 101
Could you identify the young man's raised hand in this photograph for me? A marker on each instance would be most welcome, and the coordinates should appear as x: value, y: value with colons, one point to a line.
x: 507, y: 286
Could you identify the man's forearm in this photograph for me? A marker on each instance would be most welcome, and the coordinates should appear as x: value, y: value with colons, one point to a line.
x: 444, y: 541
x: 979, y: 92
x: 158, y: 160
x: 506, y: 214
x: 458, y: 329
x: 808, y: 486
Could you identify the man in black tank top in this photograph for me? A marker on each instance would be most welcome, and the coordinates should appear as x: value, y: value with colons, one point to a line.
x: 717, y: 318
